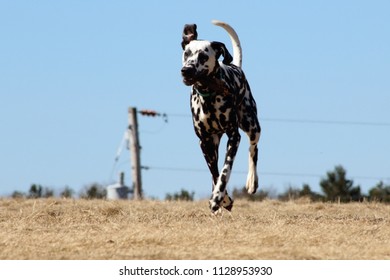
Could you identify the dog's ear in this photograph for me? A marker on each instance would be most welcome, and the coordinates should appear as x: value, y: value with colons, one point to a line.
x: 220, y: 49
x: 189, y: 34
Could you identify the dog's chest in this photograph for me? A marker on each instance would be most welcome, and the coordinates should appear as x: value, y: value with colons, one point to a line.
x: 212, y: 114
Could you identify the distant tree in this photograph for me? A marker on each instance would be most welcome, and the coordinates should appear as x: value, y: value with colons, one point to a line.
x: 307, y: 192
x: 290, y: 194
x: 67, y: 192
x: 183, y: 195
x: 35, y: 191
x: 380, y: 192
x: 337, y: 186
x: 47, y: 192
x: 94, y: 191
x: 18, y: 194
x: 295, y: 193
x: 242, y: 193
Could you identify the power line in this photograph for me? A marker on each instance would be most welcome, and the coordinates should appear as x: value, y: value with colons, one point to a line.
x: 336, y: 122
x: 153, y: 113
x: 307, y: 121
x: 184, y: 169
x: 262, y: 173
x: 282, y: 174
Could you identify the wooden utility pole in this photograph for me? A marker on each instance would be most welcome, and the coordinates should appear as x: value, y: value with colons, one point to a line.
x: 135, y: 153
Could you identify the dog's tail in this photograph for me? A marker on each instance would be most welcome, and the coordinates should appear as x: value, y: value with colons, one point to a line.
x: 237, y: 51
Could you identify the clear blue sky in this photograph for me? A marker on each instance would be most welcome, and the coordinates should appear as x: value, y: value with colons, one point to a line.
x: 70, y: 69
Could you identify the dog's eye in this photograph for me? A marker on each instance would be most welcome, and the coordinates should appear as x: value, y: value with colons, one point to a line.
x: 203, y: 58
x: 187, y: 54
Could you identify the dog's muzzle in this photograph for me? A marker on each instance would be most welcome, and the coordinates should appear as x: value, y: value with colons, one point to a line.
x: 189, y: 74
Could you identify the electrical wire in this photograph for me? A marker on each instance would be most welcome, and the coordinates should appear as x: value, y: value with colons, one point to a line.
x: 306, y: 121
x: 282, y: 174
x: 280, y: 120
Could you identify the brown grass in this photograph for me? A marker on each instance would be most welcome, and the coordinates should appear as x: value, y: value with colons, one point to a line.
x: 95, y: 229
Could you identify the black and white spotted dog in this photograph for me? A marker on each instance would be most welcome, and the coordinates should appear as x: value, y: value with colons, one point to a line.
x: 221, y: 102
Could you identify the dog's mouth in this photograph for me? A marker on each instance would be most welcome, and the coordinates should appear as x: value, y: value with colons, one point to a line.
x: 188, y: 81
x: 191, y: 75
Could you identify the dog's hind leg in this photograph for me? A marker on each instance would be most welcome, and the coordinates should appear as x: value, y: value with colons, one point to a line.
x: 250, y: 124
x: 252, y: 181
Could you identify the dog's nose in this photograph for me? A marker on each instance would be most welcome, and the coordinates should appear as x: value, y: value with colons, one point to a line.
x: 188, y: 71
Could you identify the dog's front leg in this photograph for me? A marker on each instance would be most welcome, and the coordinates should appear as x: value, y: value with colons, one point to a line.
x: 210, y: 146
x: 220, y: 195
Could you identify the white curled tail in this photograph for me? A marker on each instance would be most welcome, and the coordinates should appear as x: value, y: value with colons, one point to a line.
x: 237, y: 51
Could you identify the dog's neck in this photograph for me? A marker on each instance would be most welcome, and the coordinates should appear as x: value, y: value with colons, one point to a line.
x: 212, y: 85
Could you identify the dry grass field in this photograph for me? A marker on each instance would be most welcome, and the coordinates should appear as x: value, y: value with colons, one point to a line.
x: 96, y: 229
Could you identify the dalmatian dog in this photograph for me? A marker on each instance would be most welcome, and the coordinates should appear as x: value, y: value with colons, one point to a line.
x: 221, y: 103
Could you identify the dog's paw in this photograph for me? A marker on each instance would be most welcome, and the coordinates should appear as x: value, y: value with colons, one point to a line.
x: 215, y: 204
x: 252, y: 183
x: 227, y: 203
x: 214, y: 207
x: 216, y: 199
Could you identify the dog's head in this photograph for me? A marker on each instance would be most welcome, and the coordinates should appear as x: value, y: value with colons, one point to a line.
x: 200, y: 58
